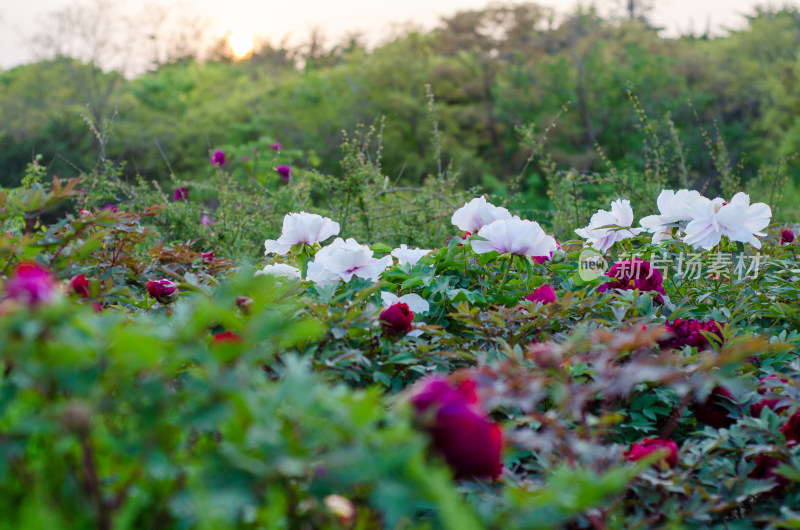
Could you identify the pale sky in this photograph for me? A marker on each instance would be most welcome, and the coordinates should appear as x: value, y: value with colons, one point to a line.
x: 273, y: 20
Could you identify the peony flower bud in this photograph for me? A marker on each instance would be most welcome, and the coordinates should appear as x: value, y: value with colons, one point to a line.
x: 544, y: 294
x: 218, y: 158
x: 787, y: 236
x: 285, y: 172
x: 31, y: 284
x: 164, y: 291
x: 181, y: 194
x: 396, y: 319
x: 80, y: 285
x: 276, y: 147
x: 648, y: 446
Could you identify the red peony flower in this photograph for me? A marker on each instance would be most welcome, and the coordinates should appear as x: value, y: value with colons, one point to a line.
x: 635, y: 273
x: 544, y: 294
x: 791, y: 429
x: 218, y: 158
x: 713, y: 410
x: 787, y: 236
x: 690, y: 333
x: 285, y: 172
x: 648, y: 446
x: 396, y: 319
x: 164, y: 291
x: 765, y: 470
x: 31, y: 284
x: 80, y: 285
x: 226, y: 337
x: 769, y: 386
x: 459, y: 428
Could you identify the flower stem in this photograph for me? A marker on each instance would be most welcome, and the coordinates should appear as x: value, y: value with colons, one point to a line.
x: 505, y: 274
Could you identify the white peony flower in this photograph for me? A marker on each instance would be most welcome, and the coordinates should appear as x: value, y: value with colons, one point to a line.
x: 516, y: 236
x: 415, y: 302
x: 606, y: 228
x: 409, y: 255
x: 674, y: 207
x: 738, y: 220
x: 477, y: 213
x: 341, y: 260
x: 280, y: 269
x: 301, y: 227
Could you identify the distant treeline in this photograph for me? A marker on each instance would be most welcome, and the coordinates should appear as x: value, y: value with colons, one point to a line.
x: 498, y: 75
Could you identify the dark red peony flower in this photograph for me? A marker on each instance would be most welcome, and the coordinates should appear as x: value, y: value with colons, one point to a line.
x: 218, y: 158
x: 164, y: 291
x: 713, y: 410
x: 544, y: 294
x: 765, y: 470
x: 226, y: 337
x: 396, y: 319
x: 181, y: 194
x: 650, y: 445
x: 791, y: 429
x: 459, y: 428
x: 31, y: 284
x: 770, y: 386
x: 285, y: 172
x: 787, y: 236
x: 635, y: 273
x: 80, y: 285
x: 690, y: 333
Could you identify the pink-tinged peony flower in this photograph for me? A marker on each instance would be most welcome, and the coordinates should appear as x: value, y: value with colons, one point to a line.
x: 164, y: 291
x: 280, y: 270
x: 276, y: 147
x: 31, y: 284
x: 396, y: 319
x: 771, y: 386
x: 111, y: 208
x: 79, y: 285
x: 459, y: 428
x: 218, y: 158
x: 341, y: 260
x: 648, y: 446
x: 544, y: 294
x: 787, y: 236
x: 205, y: 220
x: 543, y: 259
x: 791, y: 429
x: 409, y: 255
x: 690, y: 333
x: 674, y: 207
x: 738, y: 220
x: 285, y: 172
x: 635, y: 273
x: 84, y: 214
x: 714, y: 411
x: 303, y: 227
x: 226, y: 337
x: 514, y: 236
x: 477, y: 213
x: 606, y: 228
x: 181, y: 194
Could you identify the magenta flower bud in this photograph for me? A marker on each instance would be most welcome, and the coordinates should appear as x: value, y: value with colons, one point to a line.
x: 787, y: 236
x: 111, y: 208
x: 650, y: 445
x: 181, y: 194
x: 205, y: 220
x: 285, y: 172
x: 276, y: 147
x: 207, y: 256
x: 31, y: 284
x: 164, y: 291
x: 396, y: 319
x: 544, y: 294
x: 459, y: 429
x: 218, y: 158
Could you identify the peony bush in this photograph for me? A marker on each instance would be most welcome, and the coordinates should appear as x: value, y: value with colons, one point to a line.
x: 640, y: 376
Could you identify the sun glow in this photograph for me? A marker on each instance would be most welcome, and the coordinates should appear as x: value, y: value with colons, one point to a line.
x: 241, y: 44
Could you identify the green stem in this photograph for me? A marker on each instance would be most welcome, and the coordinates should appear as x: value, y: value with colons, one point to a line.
x: 505, y: 274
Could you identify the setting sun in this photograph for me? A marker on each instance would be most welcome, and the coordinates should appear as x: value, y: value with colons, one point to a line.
x: 241, y: 44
